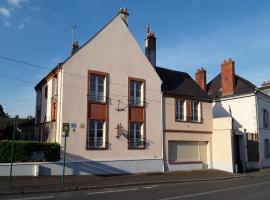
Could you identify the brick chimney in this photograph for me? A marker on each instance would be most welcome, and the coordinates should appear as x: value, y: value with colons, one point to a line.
x: 200, y: 77
x: 123, y: 12
x: 74, y: 47
x: 227, y: 77
x: 150, y: 46
x: 266, y: 84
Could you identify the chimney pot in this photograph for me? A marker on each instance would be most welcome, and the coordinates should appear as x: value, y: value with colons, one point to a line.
x: 123, y: 12
x: 74, y: 47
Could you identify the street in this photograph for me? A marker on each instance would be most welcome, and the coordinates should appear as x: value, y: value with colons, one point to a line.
x: 247, y: 188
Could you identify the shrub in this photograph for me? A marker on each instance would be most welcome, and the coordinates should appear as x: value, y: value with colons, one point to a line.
x: 24, y: 149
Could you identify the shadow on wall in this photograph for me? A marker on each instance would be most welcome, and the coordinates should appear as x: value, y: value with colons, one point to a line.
x: 78, y: 165
x: 219, y: 111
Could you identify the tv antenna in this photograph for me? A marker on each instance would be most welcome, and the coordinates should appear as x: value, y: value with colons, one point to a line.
x: 72, y: 29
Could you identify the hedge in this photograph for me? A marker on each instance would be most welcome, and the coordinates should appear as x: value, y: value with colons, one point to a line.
x: 24, y: 149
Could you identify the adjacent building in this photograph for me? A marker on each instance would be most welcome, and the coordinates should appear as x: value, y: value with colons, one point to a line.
x: 248, y: 129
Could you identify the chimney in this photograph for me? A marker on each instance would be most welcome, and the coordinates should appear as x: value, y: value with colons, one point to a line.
x: 150, y: 46
x: 74, y: 47
x: 123, y: 12
x: 200, y: 77
x: 227, y: 77
x: 266, y: 84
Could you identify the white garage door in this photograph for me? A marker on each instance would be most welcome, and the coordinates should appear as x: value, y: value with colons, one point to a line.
x: 187, y: 151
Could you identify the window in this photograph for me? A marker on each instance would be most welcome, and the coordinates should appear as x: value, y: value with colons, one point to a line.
x: 265, y: 118
x: 180, y: 109
x: 195, y: 111
x: 46, y: 92
x: 97, y: 88
x: 96, y: 134
x: 187, y: 151
x: 266, y: 148
x: 136, y: 139
x: 54, y: 86
x: 54, y: 111
x: 136, y: 95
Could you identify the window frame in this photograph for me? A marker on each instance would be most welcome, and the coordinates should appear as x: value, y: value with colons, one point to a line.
x: 105, y: 86
x: 265, y: 120
x: 142, y: 92
x: 266, y: 149
x: 192, y: 109
x: 178, y: 110
x: 140, y: 140
x: 104, y: 135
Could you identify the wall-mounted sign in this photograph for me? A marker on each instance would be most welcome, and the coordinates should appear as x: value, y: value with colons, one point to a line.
x: 66, y: 127
x: 82, y: 125
x: 73, y: 126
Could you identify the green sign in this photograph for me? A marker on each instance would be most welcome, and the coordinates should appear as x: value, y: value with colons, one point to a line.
x: 66, y: 127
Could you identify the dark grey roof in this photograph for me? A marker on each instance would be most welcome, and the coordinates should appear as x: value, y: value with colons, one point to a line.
x: 242, y: 86
x: 180, y: 83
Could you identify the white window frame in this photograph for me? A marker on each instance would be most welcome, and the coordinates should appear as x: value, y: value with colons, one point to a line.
x: 178, y: 110
x: 192, y: 103
x: 134, y: 100
x: 96, y: 138
x: 95, y: 95
x: 135, y: 141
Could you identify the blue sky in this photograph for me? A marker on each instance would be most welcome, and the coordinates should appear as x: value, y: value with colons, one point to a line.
x: 190, y: 34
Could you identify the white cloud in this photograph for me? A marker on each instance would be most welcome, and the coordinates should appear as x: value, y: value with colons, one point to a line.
x: 5, y: 12
x: 17, y: 2
x: 21, y: 26
x: 7, y: 23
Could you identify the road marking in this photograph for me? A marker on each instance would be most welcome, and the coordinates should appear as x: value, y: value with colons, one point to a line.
x: 150, y: 187
x: 32, y: 198
x: 112, y: 191
x: 215, y: 191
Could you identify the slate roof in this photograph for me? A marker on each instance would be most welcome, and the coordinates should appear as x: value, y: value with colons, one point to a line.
x: 180, y: 83
x: 242, y: 86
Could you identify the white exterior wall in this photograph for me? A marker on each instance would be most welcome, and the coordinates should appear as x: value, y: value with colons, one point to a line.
x: 263, y: 102
x: 114, y: 51
x: 222, y: 144
x: 243, y: 111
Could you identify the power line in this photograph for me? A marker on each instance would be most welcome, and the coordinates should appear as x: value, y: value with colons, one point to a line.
x: 17, y: 79
x: 23, y: 62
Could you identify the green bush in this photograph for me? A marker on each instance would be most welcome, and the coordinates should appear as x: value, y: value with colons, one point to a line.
x: 24, y: 149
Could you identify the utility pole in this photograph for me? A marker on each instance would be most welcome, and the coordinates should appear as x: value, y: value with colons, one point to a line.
x: 12, y: 148
x: 66, y: 127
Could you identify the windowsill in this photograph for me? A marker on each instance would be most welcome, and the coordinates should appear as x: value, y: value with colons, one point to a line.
x: 97, y: 102
x: 136, y: 106
x: 184, y: 162
x: 96, y: 148
x: 137, y: 148
x: 189, y: 121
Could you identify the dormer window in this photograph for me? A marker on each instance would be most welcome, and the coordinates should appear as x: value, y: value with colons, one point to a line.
x: 97, y: 88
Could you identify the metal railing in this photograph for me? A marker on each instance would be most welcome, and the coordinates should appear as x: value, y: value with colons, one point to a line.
x: 136, y: 143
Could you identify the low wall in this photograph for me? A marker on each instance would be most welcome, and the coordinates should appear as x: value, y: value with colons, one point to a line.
x: 83, y: 167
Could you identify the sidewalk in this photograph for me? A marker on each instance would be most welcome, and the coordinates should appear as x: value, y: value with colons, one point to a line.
x: 27, y: 185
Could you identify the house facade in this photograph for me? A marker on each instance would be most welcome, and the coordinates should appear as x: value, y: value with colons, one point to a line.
x: 248, y: 107
x: 110, y: 94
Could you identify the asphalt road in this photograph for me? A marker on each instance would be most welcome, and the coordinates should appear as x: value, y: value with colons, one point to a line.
x: 246, y: 188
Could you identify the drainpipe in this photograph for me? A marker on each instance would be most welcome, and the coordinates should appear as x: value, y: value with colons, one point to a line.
x: 165, y: 165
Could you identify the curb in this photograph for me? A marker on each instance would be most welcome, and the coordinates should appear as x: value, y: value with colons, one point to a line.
x: 81, y: 188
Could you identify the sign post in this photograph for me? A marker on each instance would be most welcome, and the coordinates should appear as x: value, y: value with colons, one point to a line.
x: 12, y: 149
x: 65, y: 135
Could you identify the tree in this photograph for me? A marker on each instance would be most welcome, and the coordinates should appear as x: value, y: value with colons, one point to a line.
x: 2, y: 113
